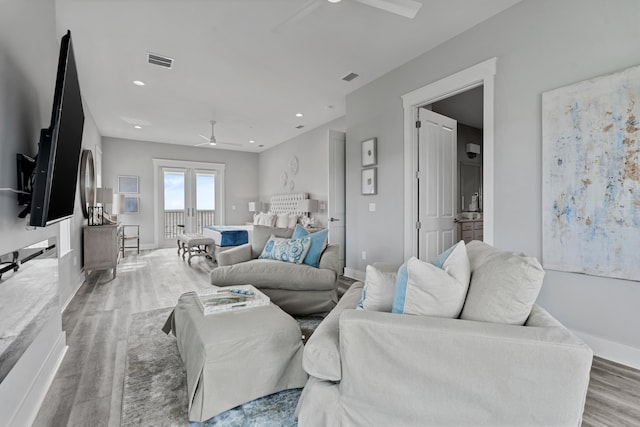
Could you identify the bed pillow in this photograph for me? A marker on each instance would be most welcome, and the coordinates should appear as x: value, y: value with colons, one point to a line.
x: 267, y: 219
x: 293, y: 220
x: 287, y: 250
x: 318, y: 244
x: 437, y: 288
x: 378, y: 291
x: 282, y: 220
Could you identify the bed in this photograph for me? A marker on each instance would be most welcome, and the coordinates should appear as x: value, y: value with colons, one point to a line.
x: 283, y: 212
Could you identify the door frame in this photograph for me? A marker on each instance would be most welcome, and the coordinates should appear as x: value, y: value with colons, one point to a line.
x: 336, y: 200
x: 159, y: 164
x: 481, y: 74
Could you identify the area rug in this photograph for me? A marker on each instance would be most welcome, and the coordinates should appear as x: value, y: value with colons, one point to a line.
x: 155, y: 383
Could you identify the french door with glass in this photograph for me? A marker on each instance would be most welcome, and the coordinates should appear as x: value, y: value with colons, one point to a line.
x: 189, y: 198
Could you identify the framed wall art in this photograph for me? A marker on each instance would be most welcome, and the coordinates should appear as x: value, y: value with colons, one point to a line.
x: 369, y: 184
x: 591, y: 176
x: 128, y: 184
x: 369, y: 152
x: 131, y: 204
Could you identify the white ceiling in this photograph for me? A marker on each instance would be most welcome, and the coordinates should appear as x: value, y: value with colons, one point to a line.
x: 236, y: 64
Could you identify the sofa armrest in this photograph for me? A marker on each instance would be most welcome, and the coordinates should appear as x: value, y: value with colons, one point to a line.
x: 459, y: 372
x: 330, y: 259
x: 236, y: 255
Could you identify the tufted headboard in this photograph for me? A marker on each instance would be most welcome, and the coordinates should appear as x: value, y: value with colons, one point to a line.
x: 287, y: 203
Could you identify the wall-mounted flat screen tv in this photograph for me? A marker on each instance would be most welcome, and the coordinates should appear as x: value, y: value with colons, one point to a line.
x: 55, y: 175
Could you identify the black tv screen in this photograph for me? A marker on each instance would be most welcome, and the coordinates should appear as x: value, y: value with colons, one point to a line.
x: 56, y: 172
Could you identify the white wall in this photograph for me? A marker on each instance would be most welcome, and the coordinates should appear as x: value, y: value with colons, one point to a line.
x: 127, y: 157
x: 540, y: 45
x: 29, y: 47
x: 312, y: 151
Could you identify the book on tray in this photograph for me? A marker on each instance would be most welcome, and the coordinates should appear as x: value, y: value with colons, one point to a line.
x: 230, y: 298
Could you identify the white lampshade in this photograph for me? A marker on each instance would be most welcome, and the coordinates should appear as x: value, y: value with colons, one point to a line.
x: 307, y: 205
x: 104, y: 195
x: 118, y: 203
x: 252, y: 207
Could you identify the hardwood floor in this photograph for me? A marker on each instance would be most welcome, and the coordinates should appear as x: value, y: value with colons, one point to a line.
x: 87, y: 390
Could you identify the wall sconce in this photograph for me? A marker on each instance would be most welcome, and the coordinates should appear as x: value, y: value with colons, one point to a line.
x: 472, y: 150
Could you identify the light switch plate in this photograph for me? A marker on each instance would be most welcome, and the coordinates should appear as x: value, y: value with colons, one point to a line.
x: 372, y: 207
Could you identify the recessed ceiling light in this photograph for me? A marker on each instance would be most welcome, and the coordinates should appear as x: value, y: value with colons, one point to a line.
x: 138, y: 127
x: 138, y: 83
x: 252, y: 142
x: 334, y: 1
x: 299, y: 114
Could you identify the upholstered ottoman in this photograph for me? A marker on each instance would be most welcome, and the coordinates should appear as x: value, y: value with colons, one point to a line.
x: 195, y: 245
x: 234, y: 357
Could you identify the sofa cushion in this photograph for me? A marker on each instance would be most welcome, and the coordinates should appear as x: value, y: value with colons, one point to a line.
x: 318, y: 243
x: 286, y: 250
x: 378, y: 291
x: 436, y: 288
x: 271, y: 274
x: 321, y: 358
x: 261, y: 235
x: 503, y: 287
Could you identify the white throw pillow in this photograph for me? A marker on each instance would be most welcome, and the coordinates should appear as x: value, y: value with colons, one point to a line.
x: 282, y: 220
x: 503, y: 289
x: 436, y: 288
x: 379, y: 288
x: 267, y: 219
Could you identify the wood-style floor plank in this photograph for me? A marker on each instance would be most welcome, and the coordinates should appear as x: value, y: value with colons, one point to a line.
x: 87, y: 389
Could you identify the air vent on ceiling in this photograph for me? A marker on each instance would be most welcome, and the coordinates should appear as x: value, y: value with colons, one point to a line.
x: 159, y: 60
x: 299, y: 126
x: 349, y: 77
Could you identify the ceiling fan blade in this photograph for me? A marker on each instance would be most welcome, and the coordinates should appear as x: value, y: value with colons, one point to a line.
x: 203, y: 143
x: 235, y: 144
x: 305, y: 9
x: 205, y: 137
x: 407, y: 8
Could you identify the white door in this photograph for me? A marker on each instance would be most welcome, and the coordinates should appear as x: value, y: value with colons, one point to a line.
x: 190, y: 197
x: 336, y: 203
x: 437, y: 159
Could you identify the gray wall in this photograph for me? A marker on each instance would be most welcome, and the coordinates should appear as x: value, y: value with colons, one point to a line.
x: 540, y: 45
x: 127, y: 157
x: 29, y: 46
x: 312, y: 150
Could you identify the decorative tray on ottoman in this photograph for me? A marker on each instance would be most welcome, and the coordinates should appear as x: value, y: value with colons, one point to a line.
x: 240, y: 297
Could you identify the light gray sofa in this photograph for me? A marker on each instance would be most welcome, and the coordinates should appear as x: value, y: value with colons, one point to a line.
x: 298, y: 289
x: 371, y: 368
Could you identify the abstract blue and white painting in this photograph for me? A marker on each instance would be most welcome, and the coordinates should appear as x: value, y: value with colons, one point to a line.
x: 591, y: 176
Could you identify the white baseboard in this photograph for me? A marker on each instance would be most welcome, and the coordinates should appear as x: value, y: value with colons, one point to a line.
x: 611, y: 350
x: 79, y: 283
x: 354, y: 274
x: 147, y: 246
x: 28, y: 408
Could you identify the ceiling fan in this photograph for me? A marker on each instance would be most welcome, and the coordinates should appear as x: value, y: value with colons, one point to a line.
x: 212, y: 141
x: 406, y: 8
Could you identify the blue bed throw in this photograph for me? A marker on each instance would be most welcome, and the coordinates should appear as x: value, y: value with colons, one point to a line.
x: 230, y: 236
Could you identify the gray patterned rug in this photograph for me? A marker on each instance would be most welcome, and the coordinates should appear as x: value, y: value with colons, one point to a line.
x: 155, y: 384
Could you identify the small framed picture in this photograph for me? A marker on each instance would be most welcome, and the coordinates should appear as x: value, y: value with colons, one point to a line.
x: 369, y: 185
x: 369, y: 155
x: 131, y: 204
x: 127, y: 184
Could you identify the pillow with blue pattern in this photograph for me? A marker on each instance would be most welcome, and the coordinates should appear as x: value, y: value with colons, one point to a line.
x: 287, y: 250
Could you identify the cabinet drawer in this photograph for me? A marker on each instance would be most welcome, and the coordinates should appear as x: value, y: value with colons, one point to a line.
x: 467, y: 236
x: 467, y: 226
x: 478, y: 235
x: 477, y: 225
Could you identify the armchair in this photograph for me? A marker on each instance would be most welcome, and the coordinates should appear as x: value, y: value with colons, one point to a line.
x: 298, y: 289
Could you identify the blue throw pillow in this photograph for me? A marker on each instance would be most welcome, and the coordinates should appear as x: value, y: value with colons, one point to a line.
x: 287, y: 250
x: 318, y: 244
x: 401, y: 290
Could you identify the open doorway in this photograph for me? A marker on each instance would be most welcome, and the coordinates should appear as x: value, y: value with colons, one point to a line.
x: 467, y: 110
x: 480, y: 75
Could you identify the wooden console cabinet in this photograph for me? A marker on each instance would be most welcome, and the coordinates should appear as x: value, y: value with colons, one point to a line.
x: 470, y: 229
x: 101, y: 247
